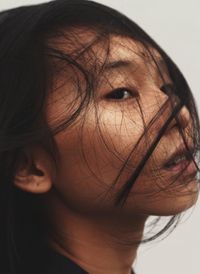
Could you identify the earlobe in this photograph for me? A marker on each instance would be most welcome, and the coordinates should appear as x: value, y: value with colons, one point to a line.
x: 36, y: 177
x: 32, y: 183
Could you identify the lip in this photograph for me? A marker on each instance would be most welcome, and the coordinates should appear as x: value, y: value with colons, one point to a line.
x: 187, y: 168
x: 181, y: 151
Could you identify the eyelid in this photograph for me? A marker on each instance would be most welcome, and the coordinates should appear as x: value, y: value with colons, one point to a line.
x: 131, y: 90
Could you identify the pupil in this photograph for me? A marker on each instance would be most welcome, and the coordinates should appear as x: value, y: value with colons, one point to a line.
x: 119, y: 94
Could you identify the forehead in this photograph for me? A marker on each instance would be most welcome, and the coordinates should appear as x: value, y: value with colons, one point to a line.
x: 127, y: 48
x: 126, y: 52
x: 117, y: 48
x: 87, y: 46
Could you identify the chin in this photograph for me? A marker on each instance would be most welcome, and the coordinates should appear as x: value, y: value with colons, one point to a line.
x: 176, y: 205
x: 172, y: 202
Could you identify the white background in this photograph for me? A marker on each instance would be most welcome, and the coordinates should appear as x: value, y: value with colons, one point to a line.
x: 175, y: 25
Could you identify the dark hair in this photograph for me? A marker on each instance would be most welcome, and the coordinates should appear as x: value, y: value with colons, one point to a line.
x: 26, y: 73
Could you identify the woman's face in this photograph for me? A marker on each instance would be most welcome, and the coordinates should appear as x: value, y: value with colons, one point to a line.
x: 129, y: 92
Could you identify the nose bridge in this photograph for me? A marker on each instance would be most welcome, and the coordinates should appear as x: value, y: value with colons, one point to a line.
x: 158, y: 100
x: 183, y: 116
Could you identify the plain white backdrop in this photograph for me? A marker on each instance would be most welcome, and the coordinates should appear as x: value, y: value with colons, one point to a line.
x: 175, y: 25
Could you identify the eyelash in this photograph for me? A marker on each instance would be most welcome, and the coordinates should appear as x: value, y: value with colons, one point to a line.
x: 167, y: 89
x: 122, y: 89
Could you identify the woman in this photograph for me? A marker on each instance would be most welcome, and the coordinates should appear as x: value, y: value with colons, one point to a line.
x: 99, y: 130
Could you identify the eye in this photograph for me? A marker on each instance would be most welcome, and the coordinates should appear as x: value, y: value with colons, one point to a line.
x: 121, y: 94
x: 168, y: 89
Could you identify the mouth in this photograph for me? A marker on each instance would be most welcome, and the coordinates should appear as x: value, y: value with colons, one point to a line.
x: 181, y: 160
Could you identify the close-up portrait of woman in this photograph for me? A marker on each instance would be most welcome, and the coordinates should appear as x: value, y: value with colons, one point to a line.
x: 99, y: 131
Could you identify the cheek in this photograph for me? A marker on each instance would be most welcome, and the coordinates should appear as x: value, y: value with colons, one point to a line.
x: 91, y: 155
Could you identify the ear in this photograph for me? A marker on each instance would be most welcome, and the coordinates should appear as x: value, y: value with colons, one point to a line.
x: 35, y: 174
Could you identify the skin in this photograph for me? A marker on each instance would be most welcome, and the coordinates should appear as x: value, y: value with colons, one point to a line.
x: 84, y: 224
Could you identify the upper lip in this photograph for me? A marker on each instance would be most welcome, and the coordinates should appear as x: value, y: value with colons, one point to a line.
x: 181, y: 151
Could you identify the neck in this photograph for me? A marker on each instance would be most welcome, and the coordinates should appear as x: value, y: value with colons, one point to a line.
x: 98, y: 245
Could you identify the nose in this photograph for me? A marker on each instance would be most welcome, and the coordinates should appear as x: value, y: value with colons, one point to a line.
x: 184, y: 118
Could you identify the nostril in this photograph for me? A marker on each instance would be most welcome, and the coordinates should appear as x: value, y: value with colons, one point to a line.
x: 172, y: 125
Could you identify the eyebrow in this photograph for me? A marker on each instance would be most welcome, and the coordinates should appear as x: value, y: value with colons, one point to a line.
x: 130, y: 63
x: 119, y: 64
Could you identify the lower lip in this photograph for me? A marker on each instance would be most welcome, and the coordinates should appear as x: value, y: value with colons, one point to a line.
x: 185, y: 166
